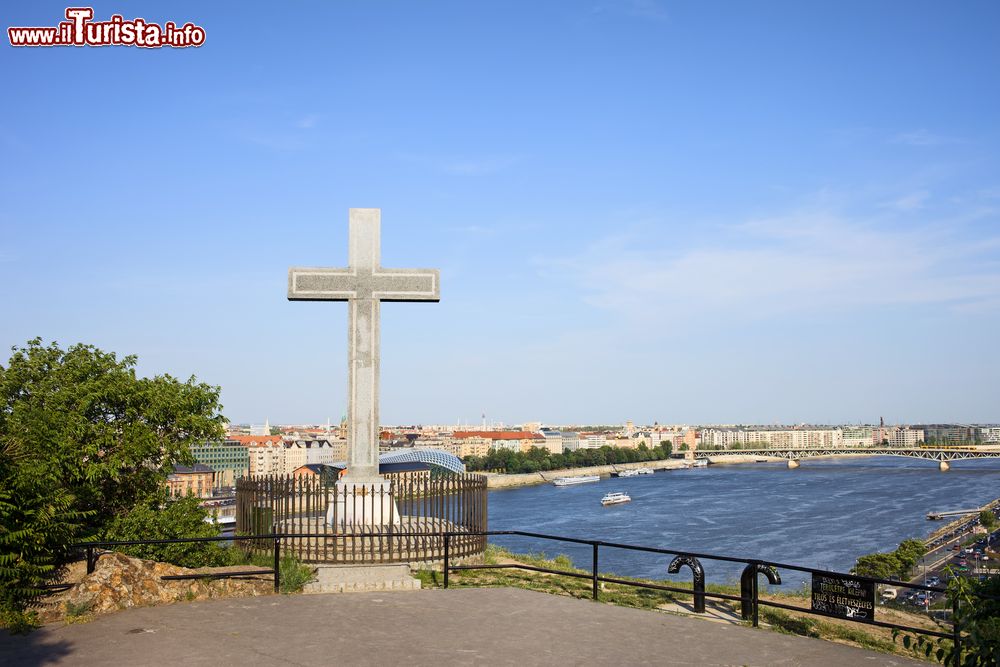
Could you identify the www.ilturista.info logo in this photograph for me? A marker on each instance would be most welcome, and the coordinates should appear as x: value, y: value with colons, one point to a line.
x: 80, y: 30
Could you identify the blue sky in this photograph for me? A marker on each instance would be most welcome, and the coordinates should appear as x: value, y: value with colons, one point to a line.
x: 690, y: 212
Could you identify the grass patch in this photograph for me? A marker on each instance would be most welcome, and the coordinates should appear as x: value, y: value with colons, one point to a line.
x: 859, y: 637
x: 76, y: 612
x: 293, y: 575
x: 806, y: 626
x: 790, y: 625
x: 618, y: 594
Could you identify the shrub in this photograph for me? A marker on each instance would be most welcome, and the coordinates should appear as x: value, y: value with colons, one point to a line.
x: 167, y: 519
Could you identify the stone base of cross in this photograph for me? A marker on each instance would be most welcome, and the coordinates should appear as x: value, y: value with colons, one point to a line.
x: 359, y: 506
x: 364, y: 497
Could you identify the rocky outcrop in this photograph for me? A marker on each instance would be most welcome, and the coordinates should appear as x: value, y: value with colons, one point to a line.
x: 121, y: 582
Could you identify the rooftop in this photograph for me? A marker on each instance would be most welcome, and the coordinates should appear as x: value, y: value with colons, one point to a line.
x: 191, y: 470
x: 498, y: 435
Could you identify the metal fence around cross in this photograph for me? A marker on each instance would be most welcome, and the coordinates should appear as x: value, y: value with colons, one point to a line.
x: 337, y: 523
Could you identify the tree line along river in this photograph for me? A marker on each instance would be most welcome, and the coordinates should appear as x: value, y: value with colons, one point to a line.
x: 824, y: 514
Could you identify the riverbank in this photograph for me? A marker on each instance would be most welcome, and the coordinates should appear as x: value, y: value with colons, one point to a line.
x: 733, y: 459
x: 515, y: 480
x: 505, y: 481
x: 956, y: 523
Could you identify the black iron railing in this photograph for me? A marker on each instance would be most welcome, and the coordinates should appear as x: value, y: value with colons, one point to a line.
x: 749, y: 598
x: 93, y: 553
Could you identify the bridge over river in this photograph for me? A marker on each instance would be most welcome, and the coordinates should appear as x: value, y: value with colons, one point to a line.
x: 943, y: 455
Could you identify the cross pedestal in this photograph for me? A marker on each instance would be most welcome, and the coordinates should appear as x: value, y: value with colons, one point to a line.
x: 364, y: 498
x: 362, y: 505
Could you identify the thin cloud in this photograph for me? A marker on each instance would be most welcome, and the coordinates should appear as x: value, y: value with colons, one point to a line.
x: 804, y: 262
x: 650, y: 10
x: 922, y: 137
x: 647, y: 9
x: 461, y: 166
x: 274, y: 141
x: 474, y: 230
x: 284, y: 137
x: 308, y: 121
x: 912, y: 201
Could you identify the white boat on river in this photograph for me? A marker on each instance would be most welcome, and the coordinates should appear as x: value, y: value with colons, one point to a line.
x: 569, y: 481
x: 615, y: 498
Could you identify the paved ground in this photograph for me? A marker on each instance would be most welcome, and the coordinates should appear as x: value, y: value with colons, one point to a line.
x: 435, y: 627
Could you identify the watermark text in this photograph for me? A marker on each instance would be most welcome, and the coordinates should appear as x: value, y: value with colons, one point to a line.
x: 79, y: 29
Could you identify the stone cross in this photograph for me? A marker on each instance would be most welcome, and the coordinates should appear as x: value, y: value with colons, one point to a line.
x: 364, y: 285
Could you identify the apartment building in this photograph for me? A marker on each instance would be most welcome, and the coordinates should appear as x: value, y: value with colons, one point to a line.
x: 855, y: 437
x: 784, y: 438
x: 515, y: 441
x: 988, y: 435
x: 196, y: 480
x: 230, y: 459
x: 906, y: 437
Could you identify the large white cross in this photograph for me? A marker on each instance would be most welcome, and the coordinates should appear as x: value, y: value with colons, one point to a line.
x: 363, y: 284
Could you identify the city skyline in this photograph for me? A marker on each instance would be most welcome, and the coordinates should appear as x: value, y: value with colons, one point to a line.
x: 776, y: 213
x: 490, y: 425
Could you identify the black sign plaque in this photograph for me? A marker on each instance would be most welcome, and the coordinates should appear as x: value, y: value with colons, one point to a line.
x: 844, y: 596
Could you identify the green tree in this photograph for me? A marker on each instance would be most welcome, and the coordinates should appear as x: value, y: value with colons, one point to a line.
x: 897, y: 563
x: 879, y: 566
x: 988, y: 519
x: 85, y: 441
x: 109, y: 437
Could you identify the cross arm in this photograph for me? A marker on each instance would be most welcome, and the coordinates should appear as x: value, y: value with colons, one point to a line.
x: 321, y: 284
x: 406, y: 285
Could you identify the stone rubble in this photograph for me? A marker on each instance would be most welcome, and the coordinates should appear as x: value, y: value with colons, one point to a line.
x: 120, y: 582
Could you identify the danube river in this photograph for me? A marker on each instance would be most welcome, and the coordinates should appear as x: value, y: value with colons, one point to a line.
x: 824, y: 514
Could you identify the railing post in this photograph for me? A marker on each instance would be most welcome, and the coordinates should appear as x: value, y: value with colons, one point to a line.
x: 447, y: 563
x: 747, y: 601
x: 756, y: 597
x: 698, y: 583
x: 596, y: 591
x: 277, y: 564
x: 91, y: 563
x: 957, y: 632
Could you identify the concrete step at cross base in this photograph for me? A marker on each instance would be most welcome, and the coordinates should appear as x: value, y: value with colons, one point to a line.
x: 362, y: 578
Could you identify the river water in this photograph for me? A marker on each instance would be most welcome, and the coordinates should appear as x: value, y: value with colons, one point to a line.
x: 824, y: 514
